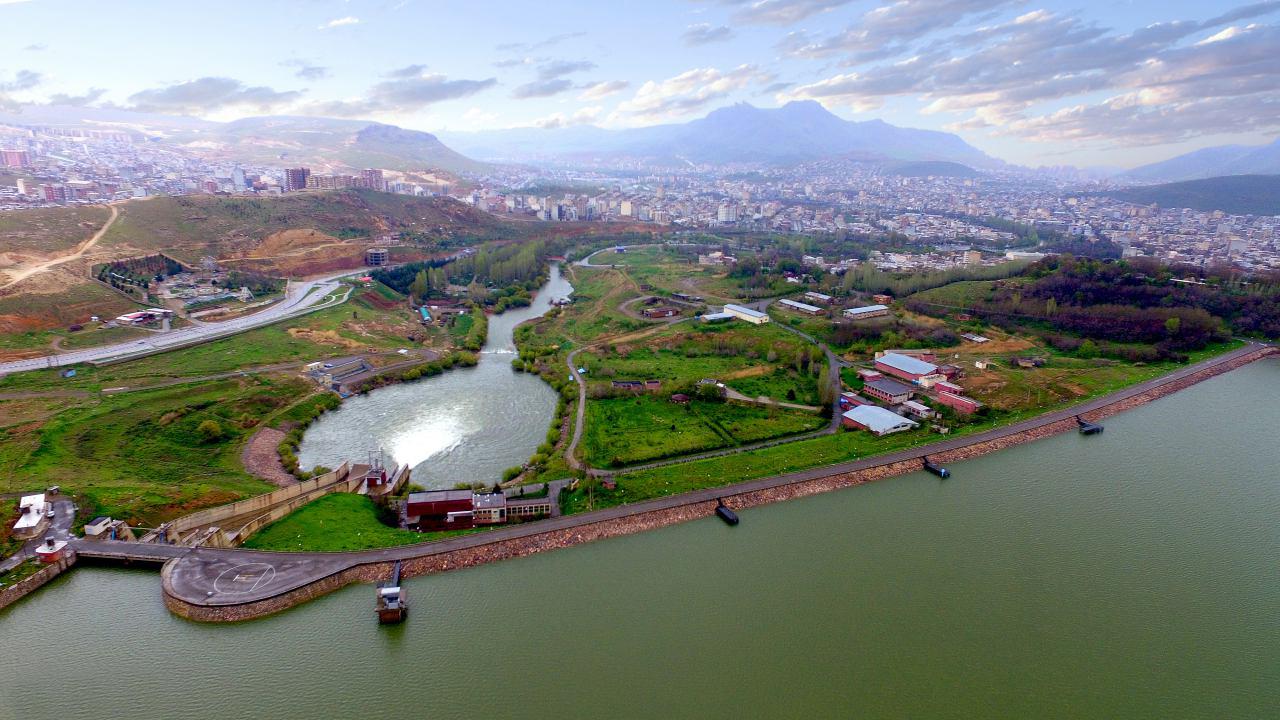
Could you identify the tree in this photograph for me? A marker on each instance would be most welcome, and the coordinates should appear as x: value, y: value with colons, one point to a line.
x: 1173, y: 325
x: 1088, y: 349
x: 1051, y: 307
x: 209, y: 431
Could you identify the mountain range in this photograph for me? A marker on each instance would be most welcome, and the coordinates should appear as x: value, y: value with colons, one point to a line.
x: 1234, y: 194
x: 1212, y: 162
x: 741, y: 133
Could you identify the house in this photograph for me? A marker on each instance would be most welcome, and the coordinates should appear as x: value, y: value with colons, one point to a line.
x: 951, y: 371
x: 982, y: 364
x: 51, y: 550
x: 882, y: 298
x: 800, y: 307
x: 105, y: 528
x: 680, y: 399
x: 886, y: 390
x: 660, y: 312
x: 32, y: 518
x: 852, y: 400
x: 717, y: 317
x: 974, y: 338
x: 918, y: 410
x: 489, y: 508
x: 959, y: 403
x: 440, y: 510
x: 818, y: 298
x: 868, y: 374
x: 1027, y: 362
x: 745, y: 313
x: 867, y: 311
x: 876, y: 420
x: 904, y: 366
x: 945, y: 386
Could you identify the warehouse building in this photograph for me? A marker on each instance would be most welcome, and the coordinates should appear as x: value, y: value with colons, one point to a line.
x: 876, y: 420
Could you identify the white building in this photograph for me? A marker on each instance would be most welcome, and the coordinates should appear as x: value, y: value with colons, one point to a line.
x: 754, y: 317
x: 867, y: 311
x: 877, y: 420
x: 31, y: 517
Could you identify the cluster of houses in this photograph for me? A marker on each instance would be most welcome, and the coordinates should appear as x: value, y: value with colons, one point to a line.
x: 814, y: 302
x: 888, y: 403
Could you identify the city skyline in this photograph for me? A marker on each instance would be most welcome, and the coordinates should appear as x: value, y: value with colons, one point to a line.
x: 1034, y: 83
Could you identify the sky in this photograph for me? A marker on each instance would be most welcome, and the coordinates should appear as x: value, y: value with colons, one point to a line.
x: 1034, y: 82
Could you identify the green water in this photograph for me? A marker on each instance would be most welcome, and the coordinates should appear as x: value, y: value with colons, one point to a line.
x: 1130, y: 575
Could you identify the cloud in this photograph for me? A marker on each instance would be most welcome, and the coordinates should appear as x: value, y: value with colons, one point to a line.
x: 22, y: 80
x: 339, y: 22
x: 36, y: 47
x: 541, y: 88
x: 780, y: 12
x: 560, y: 68
x: 306, y: 70
x: 530, y: 46
x: 402, y: 94
x: 582, y: 116
x: 88, y: 98
x: 207, y: 94
x: 408, y: 71
x: 604, y: 89
x: 686, y: 93
x: 1035, y: 77
x: 888, y: 30
x: 706, y: 33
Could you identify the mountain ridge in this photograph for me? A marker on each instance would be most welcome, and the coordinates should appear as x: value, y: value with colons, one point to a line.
x: 796, y: 132
x: 1217, y: 161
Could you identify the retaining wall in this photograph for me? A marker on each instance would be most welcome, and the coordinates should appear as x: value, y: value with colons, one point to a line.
x: 434, y: 560
x: 258, y: 504
x: 11, y: 595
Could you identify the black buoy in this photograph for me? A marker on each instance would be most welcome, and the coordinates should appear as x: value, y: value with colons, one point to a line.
x: 936, y: 469
x: 1088, y: 428
x: 727, y: 515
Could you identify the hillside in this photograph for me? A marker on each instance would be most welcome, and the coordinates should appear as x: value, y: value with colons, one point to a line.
x: 323, y: 142
x: 742, y: 133
x: 1235, y: 194
x: 935, y: 168
x: 1213, y: 162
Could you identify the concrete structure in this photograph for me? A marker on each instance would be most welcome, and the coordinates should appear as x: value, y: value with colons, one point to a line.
x: 918, y: 410
x: 295, y: 179
x: 754, y: 317
x: 375, y: 257
x: 890, y: 391
x: 904, y: 366
x: 800, y: 307
x: 876, y: 420
x: 867, y: 311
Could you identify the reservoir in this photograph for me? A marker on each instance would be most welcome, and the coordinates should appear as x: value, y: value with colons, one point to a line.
x: 466, y: 425
x: 1132, y: 574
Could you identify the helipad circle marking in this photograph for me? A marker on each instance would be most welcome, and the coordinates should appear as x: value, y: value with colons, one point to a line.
x: 244, y: 578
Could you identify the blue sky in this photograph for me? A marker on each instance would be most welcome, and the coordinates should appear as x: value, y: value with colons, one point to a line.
x: 1114, y: 83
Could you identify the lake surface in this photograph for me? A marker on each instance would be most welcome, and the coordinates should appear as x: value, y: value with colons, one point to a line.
x: 466, y: 425
x: 1135, y: 574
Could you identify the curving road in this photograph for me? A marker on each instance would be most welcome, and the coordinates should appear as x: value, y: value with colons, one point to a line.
x: 300, y: 298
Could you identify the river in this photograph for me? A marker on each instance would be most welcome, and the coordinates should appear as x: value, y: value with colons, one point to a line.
x: 466, y: 425
x: 1128, y: 575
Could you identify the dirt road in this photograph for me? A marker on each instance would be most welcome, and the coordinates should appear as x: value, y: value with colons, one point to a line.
x: 76, y: 254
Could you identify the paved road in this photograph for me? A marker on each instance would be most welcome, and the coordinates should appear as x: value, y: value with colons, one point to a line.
x: 213, y: 577
x: 300, y: 298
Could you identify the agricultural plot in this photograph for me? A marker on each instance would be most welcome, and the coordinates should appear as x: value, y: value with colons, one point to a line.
x: 625, y: 431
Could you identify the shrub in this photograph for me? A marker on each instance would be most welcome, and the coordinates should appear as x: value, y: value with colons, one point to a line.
x: 210, y: 431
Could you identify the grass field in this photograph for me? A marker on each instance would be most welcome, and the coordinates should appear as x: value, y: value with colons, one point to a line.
x: 143, y: 456
x: 48, y: 231
x: 334, y: 523
x: 625, y: 431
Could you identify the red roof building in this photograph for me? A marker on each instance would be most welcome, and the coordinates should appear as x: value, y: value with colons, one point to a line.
x: 959, y: 403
